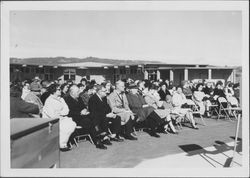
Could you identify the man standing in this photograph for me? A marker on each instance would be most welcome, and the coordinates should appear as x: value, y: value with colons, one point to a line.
x: 79, y: 114
x: 101, y: 115
x: 118, y: 103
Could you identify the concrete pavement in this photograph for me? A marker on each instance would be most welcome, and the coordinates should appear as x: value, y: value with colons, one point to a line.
x: 209, y: 146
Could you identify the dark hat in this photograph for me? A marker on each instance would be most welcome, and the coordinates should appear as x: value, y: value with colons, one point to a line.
x: 132, y: 86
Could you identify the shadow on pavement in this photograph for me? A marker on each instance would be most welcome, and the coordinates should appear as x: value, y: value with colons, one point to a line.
x: 220, y: 148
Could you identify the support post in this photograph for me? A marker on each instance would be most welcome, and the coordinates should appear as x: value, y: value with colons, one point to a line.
x: 171, y: 75
x: 158, y: 75
x: 146, y: 75
x: 185, y: 74
x: 209, y: 74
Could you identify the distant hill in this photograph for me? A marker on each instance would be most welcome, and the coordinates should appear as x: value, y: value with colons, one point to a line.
x: 63, y: 60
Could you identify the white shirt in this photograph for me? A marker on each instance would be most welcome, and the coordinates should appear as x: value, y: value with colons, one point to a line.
x: 178, y: 99
x: 55, y: 107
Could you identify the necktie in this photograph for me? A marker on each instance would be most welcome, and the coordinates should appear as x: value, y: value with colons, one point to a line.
x: 121, y: 98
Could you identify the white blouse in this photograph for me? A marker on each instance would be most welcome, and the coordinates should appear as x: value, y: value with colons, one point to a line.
x: 55, y: 107
x: 178, y: 99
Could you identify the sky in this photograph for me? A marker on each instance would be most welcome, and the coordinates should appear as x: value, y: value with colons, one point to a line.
x: 209, y: 37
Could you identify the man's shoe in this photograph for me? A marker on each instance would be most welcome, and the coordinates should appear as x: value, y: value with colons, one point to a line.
x: 130, y: 137
x: 65, y: 149
x: 101, y: 146
x: 106, y: 142
x: 176, y: 133
x: 116, y: 139
x: 196, y: 128
x: 154, y: 134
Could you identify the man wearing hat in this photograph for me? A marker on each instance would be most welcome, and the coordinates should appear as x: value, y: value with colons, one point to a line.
x: 144, y: 112
x: 35, y: 86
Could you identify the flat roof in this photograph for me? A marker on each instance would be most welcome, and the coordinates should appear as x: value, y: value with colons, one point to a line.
x: 97, y: 62
x: 86, y: 64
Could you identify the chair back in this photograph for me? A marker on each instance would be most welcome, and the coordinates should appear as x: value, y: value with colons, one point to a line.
x: 222, y: 100
x: 233, y: 101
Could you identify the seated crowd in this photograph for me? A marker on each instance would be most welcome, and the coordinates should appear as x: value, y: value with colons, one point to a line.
x: 110, y: 113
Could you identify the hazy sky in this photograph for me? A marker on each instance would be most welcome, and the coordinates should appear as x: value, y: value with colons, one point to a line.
x: 174, y: 36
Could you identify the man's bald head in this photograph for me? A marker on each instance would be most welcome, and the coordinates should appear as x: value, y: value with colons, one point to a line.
x: 74, y: 91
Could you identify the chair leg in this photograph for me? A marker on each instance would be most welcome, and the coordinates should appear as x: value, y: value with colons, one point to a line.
x: 76, y: 143
x: 134, y: 131
x: 90, y: 139
x: 202, y: 120
x: 219, y: 113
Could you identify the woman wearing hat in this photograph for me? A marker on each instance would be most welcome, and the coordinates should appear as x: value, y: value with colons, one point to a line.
x: 153, y: 117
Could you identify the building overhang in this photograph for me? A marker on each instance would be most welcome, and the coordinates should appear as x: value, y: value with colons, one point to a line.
x: 195, y: 68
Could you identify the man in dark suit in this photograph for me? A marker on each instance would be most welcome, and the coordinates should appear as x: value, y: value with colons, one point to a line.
x: 101, y: 115
x: 80, y: 115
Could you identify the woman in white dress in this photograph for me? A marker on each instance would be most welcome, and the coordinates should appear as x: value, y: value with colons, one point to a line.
x: 178, y: 100
x: 199, y: 98
x: 55, y: 107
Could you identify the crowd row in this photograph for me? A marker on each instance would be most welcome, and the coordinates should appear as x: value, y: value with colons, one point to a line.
x: 108, y: 112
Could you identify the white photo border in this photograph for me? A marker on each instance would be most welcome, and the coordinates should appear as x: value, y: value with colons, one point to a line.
x: 6, y: 7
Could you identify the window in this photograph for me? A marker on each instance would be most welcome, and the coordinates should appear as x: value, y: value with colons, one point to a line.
x: 47, y: 70
x: 115, y: 71
x: 32, y: 69
x: 117, y: 77
x: 122, y: 71
x: 139, y: 70
x: 69, y: 74
x: 46, y: 76
x: 133, y: 70
x: 27, y: 70
x: 127, y: 70
x: 152, y: 75
x: 41, y: 70
x: 51, y: 76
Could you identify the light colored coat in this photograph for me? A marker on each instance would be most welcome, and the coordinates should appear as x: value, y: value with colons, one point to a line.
x: 57, y: 108
x: 153, y: 99
x: 119, y: 105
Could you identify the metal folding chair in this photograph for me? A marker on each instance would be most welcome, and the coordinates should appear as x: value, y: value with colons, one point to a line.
x: 223, y: 108
x: 196, y: 110
x: 213, y: 109
x: 79, y: 135
x: 234, y: 106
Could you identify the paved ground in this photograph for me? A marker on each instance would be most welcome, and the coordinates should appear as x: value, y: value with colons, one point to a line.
x: 217, y: 156
x: 213, y: 140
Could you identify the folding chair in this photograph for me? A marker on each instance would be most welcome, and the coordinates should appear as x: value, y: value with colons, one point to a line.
x: 234, y: 106
x: 223, y: 108
x: 196, y: 110
x: 213, y: 109
x: 80, y: 135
